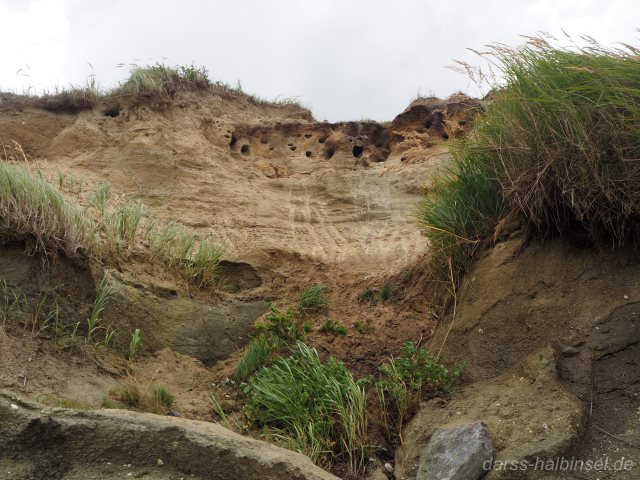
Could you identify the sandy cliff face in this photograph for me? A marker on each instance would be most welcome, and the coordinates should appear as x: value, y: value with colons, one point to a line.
x: 297, y: 202
x: 268, y: 180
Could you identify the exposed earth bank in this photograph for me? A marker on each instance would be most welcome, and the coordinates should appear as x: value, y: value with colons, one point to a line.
x: 548, y: 330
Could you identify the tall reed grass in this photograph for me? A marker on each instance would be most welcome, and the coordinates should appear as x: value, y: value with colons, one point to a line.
x: 559, y: 144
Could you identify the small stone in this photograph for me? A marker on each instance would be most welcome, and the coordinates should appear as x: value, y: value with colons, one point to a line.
x: 569, y: 352
x: 14, y: 406
x: 626, y: 297
x: 388, y: 467
x: 160, y: 462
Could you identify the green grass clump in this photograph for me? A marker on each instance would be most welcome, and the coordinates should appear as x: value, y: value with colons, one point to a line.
x: 163, y: 80
x: 280, y: 330
x: 333, y: 326
x: 368, y: 295
x: 147, y: 398
x: 122, y: 225
x: 198, y: 260
x: 204, y: 263
x: 98, y: 199
x: 258, y: 353
x: 163, y: 396
x: 318, y: 406
x: 104, y: 292
x: 283, y: 323
x: 63, y: 402
x: 32, y: 207
x: 362, y: 327
x: 462, y: 208
x: 564, y: 137
x: 72, y: 99
x: 405, y: 378
x: 313, y: 299
x: 557, y: 144
x: 387, y: 292
x: 137, y: 339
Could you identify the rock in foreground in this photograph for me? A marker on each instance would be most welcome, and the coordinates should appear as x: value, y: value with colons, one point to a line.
x: 458, y: 453
x: 47, y: 443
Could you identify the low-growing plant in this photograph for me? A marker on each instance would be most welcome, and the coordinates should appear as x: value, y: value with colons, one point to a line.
x: 204, y: 264
x: 147, y: 398
x: 282, y: 322
x: 31, y: 207
x: 37, y: 314
x: 163, y: 80
x: 362, y: 327
x: 387, y: 292
x: 12, y: 301
x: 229, y: 421
x: 406, y: 378
x: 72, y: 99
x: 104, y: 292
x: 63, y: 402
x: 318, y: 406
x: 313, y: 299
x: 122, y: 225
x: 163, y: 396
x: 257, y: 354
x: 100, y: 198
x: 367, y: 296
x: 44, y: 315
x: 137, y: 338
x: 109, y: 336
x: 333, y: 326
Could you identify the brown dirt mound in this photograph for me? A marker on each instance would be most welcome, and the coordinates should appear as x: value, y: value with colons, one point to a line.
x: 582, y: 302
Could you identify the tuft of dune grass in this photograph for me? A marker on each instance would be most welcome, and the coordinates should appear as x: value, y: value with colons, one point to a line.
x: 559, y: 145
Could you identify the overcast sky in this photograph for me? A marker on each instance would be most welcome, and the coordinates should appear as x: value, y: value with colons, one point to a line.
x: 346, y: 59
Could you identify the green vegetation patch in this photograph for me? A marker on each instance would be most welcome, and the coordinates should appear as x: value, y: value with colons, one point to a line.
x: 405, y: 379
x: 319, y: 407
x: 558, y: 145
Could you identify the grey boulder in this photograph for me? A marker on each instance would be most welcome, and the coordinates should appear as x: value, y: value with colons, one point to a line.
x: 459, y: 453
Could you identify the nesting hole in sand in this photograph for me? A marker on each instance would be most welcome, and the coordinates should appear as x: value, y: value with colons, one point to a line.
x: 112, y: 112
x: 445, y: 136
x: 233, y: 141
x: 357, y: 151
x: 328, y: 153
x: 322, y: 139
x: 308, y: 153
x: 245, y: 149
x: 293, y: 148
x: 308, y: 135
